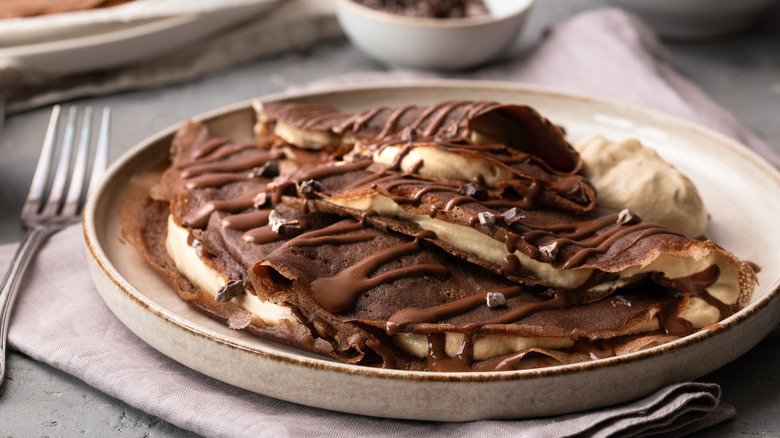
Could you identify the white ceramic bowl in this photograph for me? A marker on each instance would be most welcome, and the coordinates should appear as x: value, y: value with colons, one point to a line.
x: 695, y: 19
x: 433, y: 44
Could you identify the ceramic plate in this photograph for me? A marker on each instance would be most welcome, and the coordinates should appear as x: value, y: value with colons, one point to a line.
x: 116, y: 44
x: 741, y: 190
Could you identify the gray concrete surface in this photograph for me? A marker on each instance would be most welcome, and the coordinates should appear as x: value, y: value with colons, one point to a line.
x: 741, y: 73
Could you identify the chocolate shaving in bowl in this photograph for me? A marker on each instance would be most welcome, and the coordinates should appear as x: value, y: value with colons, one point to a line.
x: 429, y: 8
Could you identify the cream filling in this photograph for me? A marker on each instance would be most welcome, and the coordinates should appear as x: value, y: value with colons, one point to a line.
x: 726, y: 289
x: 443, y: 163
x: 315, y: 140
x: 695, y: 310
x: 189, y: 263
x: 487, y: 346
x: 209, y: 280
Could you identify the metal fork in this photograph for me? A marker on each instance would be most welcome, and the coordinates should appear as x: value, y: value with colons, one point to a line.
x: 48, y: 208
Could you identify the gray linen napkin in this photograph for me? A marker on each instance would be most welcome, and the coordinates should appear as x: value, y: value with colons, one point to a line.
x: 61, y: 320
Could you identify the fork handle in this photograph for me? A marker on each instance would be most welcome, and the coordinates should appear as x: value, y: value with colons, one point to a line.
x: 13, y: 279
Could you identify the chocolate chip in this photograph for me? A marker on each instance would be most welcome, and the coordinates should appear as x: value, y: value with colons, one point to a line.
x: 476, y: 191
x: 261, y: 200
x: 447, y: 132
x: 408, y: 134
x: 230, y: 290
x: 198, y: 234
x: 495, y: 299
x: 281, y: 225
x: 268, y: 170
x: 487, y: 219
x: 626, y: 217
x: 619, y: 300
x: 549, y: 251
x: 357, y: 154
x: 200, y: 244
x: 310, y: 187
x: 513, y: 215
x: 276, y: 220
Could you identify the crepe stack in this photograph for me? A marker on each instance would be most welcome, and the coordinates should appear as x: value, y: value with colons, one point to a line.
x: 460, y: 236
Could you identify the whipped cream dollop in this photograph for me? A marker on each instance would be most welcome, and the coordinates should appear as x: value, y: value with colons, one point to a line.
x: 628, y: 175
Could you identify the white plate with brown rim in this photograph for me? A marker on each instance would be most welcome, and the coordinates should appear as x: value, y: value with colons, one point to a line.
x: 741, y: 191
x: 85, y: 45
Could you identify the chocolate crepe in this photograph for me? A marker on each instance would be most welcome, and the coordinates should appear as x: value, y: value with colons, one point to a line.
x: 370, y: 288
x: 547, y: 222
x: 519, y: 128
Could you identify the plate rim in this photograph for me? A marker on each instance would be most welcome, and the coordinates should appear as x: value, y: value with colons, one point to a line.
x: 34, y: 56
x: 97, y: 253
x: 107, y: 37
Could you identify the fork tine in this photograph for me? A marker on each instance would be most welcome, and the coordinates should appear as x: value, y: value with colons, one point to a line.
x: 38, y: 185
x: 77, y: 178
x: 60, y: 180
x: 101, y: 154
x: 41, y: 224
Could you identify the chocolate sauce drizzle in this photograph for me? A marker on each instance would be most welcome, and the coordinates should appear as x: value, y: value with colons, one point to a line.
x: 199, y: 218
x: 339, y: 292
x: 694, y: 286
x: 599, y: 349
x: 334, y: 234
x: 591, y: 237
x: 439, y: 361
x: 428, y: 121
x: 214, y: 163
x: 444, y: 311
x: 212, y: 166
